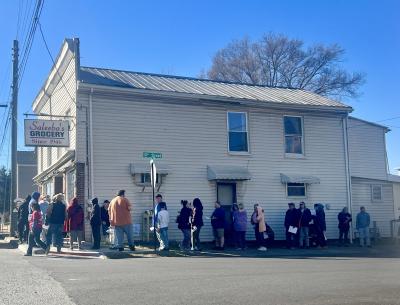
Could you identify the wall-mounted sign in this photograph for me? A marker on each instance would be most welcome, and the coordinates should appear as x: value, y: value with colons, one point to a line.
x: 152, y: 155
x: 46, y: 133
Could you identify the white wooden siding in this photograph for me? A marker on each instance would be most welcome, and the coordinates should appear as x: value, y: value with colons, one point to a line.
x: 367, y: 151
x: 382, y: 212
x: 192, y: 137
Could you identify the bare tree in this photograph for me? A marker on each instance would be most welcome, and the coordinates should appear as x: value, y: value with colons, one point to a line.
x: 278, y: 61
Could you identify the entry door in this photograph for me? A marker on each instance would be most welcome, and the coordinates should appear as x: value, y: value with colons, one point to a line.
x: 226, y: 193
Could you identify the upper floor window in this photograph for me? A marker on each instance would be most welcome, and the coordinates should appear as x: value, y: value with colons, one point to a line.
x: 238, y: 132
x: 376, y: 192
x: 293, y: 134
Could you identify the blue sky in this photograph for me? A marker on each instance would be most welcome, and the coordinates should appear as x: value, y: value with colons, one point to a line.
x: 180, y: 37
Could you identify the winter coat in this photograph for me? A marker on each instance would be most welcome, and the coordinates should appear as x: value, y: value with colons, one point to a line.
x: 95, y: 216
x: 184, y: 218
x: 292, y: 218
x: 344, y: 220
x: 261, y: 220
x: 23, y: 212
x: 197, y: 217
x: 218, y: 218
x: 363, y: 220
x: 305, y: 217
x: 240, y: 221
x: 319, y: 220
x: 56, y: 213
x: 105, y: 218
x: 119, y: 211
x: 75, y: 218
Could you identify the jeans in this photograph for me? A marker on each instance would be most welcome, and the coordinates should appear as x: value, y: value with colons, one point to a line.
x: 96, y: 236
x: 55, y: 231
x: 164, y: 243
x: 75, y: 236
x: 105, y: 228
x: 290, y: 239
x: 33, y: 239
x: 119, y: 235
x: 186, y: 239
x: 304, y: 237
x: 344, y: 234
x: 196, y: 238
x: 364, y: 235
x: 240, y: 239
x: 259, y: 237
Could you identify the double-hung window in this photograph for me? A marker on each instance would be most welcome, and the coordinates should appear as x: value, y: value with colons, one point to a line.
x: 238, y: 132
x: 376, y: 193
x: 293, y: 126
x: 296, y: 189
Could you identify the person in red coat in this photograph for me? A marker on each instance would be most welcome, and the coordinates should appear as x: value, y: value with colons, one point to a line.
x: 74, y: 222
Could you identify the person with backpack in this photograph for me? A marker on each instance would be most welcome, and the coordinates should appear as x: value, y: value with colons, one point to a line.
x: 260, y: 228
x: 74, y: 222
x: 35, y: 229
x: 95, y: 223
x: 184, y: 224
x: 56, y: 215
x: 304, y: 225
x: 197, y: 223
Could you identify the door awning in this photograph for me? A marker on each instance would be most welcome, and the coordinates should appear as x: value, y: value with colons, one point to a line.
x: 299, y: 179
x: 227, y: 172
x: 144, y: 168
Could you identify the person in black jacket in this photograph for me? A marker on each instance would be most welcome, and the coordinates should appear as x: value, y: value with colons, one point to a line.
x: 23, y: 224
x: 105, y: 218
x: 291, y: 220
x: 95, y: 223
x: 304, y: 225
x: 197, y: 223
x: 56, y: 215
x: 184, y: 224
x: 344, y: 218
x: 320, y: 224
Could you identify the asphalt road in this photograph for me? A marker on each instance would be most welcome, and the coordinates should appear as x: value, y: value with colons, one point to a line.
x: 198, y: 280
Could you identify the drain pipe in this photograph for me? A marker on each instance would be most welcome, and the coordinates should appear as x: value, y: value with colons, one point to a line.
x: 92, y: 192
x: 348, y: 174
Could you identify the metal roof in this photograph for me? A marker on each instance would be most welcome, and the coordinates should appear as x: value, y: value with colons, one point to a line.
x: 203, y: 87
x: 227, y: 172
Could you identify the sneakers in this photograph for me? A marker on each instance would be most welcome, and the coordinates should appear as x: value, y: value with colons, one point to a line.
x: 132, y: 248
x: 262, y: 249
x: 28, y: 254
x: 47, y: 250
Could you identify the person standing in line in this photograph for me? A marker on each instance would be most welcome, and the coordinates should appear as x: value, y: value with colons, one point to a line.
x: 34, y: 199
x: 121, y: 219
x: 162, y: 227
x: 184, y: 224
x: 23, y: 222
x: 362, y: 224
x: 253, y: 221
x: 218, y: 225
x: 304, y: 225
x: 35, y: 226
x: 320, y: 225
x: 344, y: 218
x: 56, y: 215
x: 240, y: 226
x: 260, y: 229
x: 44, y: 205
x: 291, y: 223
x: 95, y: 223
x: 197, y: 223
x: 105, y: 218
x: 74, y: 222
x: 157, y: 208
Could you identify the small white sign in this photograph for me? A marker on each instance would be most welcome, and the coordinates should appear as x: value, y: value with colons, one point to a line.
x: 46, y: 133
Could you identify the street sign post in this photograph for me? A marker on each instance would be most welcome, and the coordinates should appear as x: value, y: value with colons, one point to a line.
x: 153, y: 176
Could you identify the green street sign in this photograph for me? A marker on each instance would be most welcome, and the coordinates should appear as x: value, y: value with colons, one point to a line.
x: 152, y: 155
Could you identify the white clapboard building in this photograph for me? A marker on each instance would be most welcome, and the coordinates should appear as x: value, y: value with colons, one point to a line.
x: 213, y: 140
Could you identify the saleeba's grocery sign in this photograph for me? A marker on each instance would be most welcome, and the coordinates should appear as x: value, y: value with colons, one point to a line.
x: 46, y: 133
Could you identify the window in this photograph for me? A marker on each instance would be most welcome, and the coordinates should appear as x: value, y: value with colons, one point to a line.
x: 49, y: 186
x: 293, y: 134
x: 296, y: 189
x: 376, y: 192
x: 237, y: 130
x: 146, y: 179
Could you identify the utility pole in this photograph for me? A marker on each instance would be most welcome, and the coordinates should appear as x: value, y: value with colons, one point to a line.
x: 14, y: 117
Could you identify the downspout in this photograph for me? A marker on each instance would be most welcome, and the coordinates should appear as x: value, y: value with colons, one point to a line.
x: 348, y: 175
x: 91, y: 142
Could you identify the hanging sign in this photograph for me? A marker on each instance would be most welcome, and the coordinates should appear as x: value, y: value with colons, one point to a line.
x: 46, y: 133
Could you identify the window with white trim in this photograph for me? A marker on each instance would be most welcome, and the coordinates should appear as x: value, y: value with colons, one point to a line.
x: 293, y: 127
x: 237, y: 132
x: 376, y: 193
x: 296, y: 189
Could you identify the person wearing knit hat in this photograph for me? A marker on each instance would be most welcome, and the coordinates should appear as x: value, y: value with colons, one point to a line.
x: 95, y: 223
x: 56, y: 215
